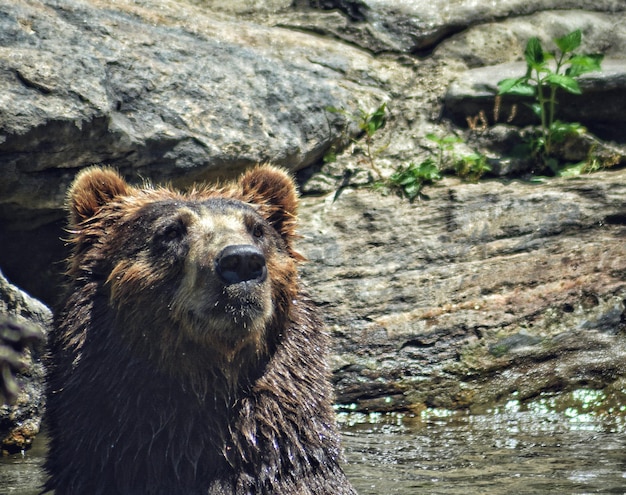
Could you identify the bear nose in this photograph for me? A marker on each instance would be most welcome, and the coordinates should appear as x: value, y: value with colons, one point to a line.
x: 240, y: 263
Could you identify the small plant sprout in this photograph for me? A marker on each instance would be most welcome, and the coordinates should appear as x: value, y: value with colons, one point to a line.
x: 472, y: 167
x: 411, y: 179
x: 546, y: 73
x: 369, y: 123
x: 444, y: 144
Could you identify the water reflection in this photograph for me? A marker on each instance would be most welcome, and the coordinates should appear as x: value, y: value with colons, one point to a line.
x: 22, y: 475
x: 514, y: 450
x: 544, y: 447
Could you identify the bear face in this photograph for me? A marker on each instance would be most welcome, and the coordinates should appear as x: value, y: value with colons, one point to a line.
x: 197, y: 264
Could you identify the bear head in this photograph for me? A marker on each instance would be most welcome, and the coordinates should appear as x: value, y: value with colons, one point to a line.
x: 209, y: 274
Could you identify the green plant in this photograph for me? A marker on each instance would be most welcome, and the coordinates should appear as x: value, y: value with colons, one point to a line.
x: 444, y: 144
x: 472, y: 167
x: 369, y: 123
x: 411, y: 179
x: 546, y: 73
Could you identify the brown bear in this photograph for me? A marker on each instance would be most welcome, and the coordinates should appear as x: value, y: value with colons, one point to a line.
x: 187, y: 359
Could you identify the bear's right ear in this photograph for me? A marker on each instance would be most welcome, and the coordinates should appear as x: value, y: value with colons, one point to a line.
x: 93, y: 188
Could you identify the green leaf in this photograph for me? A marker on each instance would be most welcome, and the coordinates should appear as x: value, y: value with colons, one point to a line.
x: 330, y: 157
x: 559, y: 131
x: 451, y: 140
x: 429, y: 171
x: 536, y: 109
x: 376, y: 120
x: 506, y: 84
x: 569, y: 42
x: 516, y: 86
x: 565, y: 82
x: 335, y: 110
x: 534, y: 53
x: 407, y: 180
x: 581, y: 64
x: 413, y: 190
x: 572, y: 170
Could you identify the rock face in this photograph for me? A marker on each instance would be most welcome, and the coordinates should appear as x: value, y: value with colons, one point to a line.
x: 159, y: 91
x: 24, y: 322
x: 481, y: 291
x: 168, y: 90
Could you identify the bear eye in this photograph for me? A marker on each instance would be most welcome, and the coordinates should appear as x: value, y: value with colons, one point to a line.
x: 257, y: 231
x: 172, y: 231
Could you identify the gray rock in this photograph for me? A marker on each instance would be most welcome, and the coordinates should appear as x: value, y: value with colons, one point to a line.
x: 495, y: 43
x: 418, y: 295
x: 409, y: 27
x: 520, y: 340
x: 601, y: 107
x: 164, y: 90
x: 24, y: 323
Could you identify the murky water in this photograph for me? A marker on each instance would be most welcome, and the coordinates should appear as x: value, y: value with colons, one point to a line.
x: 532, y: 449
x: 516, y: 450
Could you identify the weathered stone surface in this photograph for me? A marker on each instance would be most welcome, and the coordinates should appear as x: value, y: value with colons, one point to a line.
x: 389, y: 25
x: 161, y: 89
x: 20, y: 419
x: 494, y: 51
x: 428, y: 301
x: 601, y: 107
x: 495, y: 43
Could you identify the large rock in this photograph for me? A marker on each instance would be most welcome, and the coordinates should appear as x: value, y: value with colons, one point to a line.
x: 458, y: 82
x: 475, y: 91
x: 162, y: 90
x: 481, y: 291
x: 494, y: 43
x: 494, y: 51
x: 417, y: 27
x: 24, y: 324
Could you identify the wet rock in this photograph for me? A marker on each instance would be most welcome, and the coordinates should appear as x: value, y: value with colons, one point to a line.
x: 24, y: 323
x: 514, y: 342
x: 424, y: 293
x: 475, y: 92
x: 15, y: 342
x: 417, y: 295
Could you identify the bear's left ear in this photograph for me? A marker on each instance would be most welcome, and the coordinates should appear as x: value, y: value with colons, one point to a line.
x: 274, y: 188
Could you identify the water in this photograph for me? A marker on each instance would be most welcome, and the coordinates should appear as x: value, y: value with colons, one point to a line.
x: 22, y: 475
x: 516, y: 450
x: 531, y: 449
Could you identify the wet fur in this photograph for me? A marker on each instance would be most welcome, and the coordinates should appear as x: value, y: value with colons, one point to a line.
x: 137, y: 406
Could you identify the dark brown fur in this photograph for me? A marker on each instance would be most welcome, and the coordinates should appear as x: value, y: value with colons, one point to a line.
x: 164, y: 380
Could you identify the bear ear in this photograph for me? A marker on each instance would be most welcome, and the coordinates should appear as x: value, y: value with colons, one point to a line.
x: 93, y: 188
x: 273, y: 187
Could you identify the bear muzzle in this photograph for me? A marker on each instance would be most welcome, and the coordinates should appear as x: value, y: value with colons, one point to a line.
x: 241, y: 263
